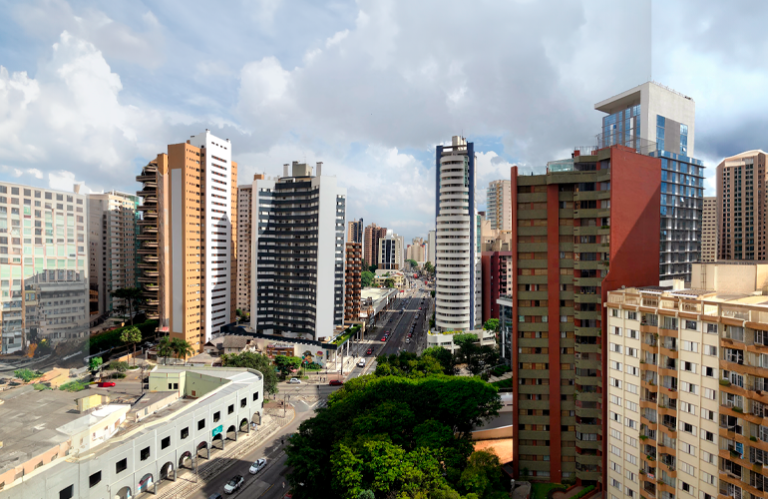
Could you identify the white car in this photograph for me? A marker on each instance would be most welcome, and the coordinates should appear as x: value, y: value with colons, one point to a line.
x: 294, y: 381
x: 257, y: 466
x: 361, y: 363
x: 234, y: 484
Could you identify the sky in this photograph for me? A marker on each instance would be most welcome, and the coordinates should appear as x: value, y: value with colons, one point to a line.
x: 91, y: 91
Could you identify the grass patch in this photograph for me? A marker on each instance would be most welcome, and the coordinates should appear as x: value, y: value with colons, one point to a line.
x: 117, y: 375
x: 131, y: 368
x: 40, y: 387
x: 505, y: 383
x: 540, y: 490
x: 73, y: 386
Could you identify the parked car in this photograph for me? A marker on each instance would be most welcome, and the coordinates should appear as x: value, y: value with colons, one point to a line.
x: 383, y: 338
x: 257, y: 466
x: 234, y: 484
x: 335, y: 382
x: 106, y: 384
x: 294, y: 381
x: 215, y: 496
x: 369, y: 351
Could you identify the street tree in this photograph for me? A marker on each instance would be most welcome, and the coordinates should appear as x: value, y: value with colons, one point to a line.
x: 164, y: 348
x: 131, y: 336
x: 366, y: 279
x: 181, y: 348
x: 95, y: 364
x: 256, y: 361
x: 286, y: 364
x: 491, y: 325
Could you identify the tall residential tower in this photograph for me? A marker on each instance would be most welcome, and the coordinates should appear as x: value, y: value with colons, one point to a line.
x: 458, y: 300
x: 499, y: 199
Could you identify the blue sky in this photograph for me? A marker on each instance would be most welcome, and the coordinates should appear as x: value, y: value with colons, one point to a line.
x: 89, y: 91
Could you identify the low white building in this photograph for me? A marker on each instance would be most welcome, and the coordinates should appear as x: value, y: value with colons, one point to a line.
x: 445, y: 340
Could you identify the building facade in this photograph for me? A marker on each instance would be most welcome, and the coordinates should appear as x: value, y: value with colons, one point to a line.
x: 709, y: 230
x: 499, y: 199
x: 741, y: 220
x: 199, y: 199
x: 44, y: 282
x: 579, y: 230
x: 664, y: 430
x: 355, y: 231
x: 497, y: 281
x: 389, y: 252
x: 371, y: 244
x: 431, y: 246
x: 658, y: 121
x: 112, y: 243
x: 298, y: 241
x: 152, y: 223
x: 244, y: 237
x: 417, y: 250
x: 458, y: 298
x: 353, y: 270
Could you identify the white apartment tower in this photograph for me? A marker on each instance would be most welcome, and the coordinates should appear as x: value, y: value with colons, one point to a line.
x: 297, y: 248
x: 431, y: 246
x: 458, y: 298
x: 499, y: 211
x: 112, y: 231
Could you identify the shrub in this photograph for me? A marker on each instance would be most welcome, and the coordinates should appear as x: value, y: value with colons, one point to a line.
x: 73, y: 386
x: 584, y: 491
x: 118, y: 375
x: 119, y: 366
x: 40, y: 387
x: 753, y: 439
x: 26, y: 375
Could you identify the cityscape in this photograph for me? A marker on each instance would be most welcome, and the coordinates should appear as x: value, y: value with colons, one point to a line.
x: 294, y: 273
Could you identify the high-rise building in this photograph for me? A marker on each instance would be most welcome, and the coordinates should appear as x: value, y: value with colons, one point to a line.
x: 709, y: 230
x: 497, y: 281
x: 658, y: 121
x: 400, y: 251
x: 244, y: 238
x: 199, y: 199
x: 43, y: 267
x: 431, y: 246
x: 152, y: 223
x: 416, y: 250
x: 389, y: 252
x: 112, y: 243
x: 741, y: 216
x: 298, y: 269
x: 371, y: 244
x: 458, y: 299
x: 499, y: 211
x: 352, y: 281
x: 355, y: 231
x: 578, y: 231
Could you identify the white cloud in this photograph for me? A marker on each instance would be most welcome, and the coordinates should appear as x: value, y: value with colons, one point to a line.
x: 65, y: 181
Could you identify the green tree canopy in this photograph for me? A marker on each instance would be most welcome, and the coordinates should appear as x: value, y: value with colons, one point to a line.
x: 408, y: 365
x: 491, y: 325
x: 394, y: 436
x: 132, y: 297
x: 413, y: 262
x: 429, y: 267
x: 181, y: 348
x: 164, y: 348
x: 95, y: 363
x: 390, y: 283
x: 373, y: 268
x: 366, y: 279
x: 286, y: 363
x: 131, y: 335
x: 256, y: 361
x: 443, y: 356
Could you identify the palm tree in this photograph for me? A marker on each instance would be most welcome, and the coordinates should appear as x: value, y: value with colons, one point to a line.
x: 181, y: 348
x: 164, y: 348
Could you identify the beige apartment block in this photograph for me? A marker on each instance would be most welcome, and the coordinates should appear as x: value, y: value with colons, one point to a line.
x: 709, y: 230
x: 244, y: 223
x: 112, y: 241
x: 687, y: 373
x: 741, y: 192
x: 198, y: 246
x: 499, y: 212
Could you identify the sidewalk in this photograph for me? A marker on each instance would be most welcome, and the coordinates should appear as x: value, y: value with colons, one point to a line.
x: 186, y: 482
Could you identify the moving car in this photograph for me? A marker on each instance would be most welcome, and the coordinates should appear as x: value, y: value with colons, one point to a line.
x: 383, y: 338
x: 335, y: 382
x: 257, y: 466
x: 369, y: 351
x: 294, y: 381
x: 234, y: 484
x: 106, y: 384
x: 361, y: 363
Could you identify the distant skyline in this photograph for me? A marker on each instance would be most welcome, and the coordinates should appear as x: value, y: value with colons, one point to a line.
x: 89, y: 92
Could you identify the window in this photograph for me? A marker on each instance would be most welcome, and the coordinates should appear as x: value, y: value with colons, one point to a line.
x: 689, y: 408
x: 691, y: 325
x: 616, y: 365
x: 632, y: 406
x: 216, y: 416
x: 688, y: 448
x: 709, y: 371
x: 687, y: 488
x: 231, y: 409
x: 165, y: 443
x: 633, y: 371
x: 615, y: 383
x: 255, y: 396
x: 201, y: 424
x: 615, y: 483
x: 615, y: 416
x: 688, y: 366
x: 144, y: 453
x: 688, y: 428
x: 631, y: 458
x: 616, y: 331
x: 707, y: 414
x: 688, y: 387
x: 631, y: 315
x: 615, y: 466
x: 94, y: 479
x: 710, y: 350
x: 708, y: 436
x: 630, y: 423
x: 687, y: 468
x: 632, y: 442
x: 709, y: 393
x: 615, y: 450
x: 690, y: 346
x: 121, y: 466
x: 711, y: 328
x: 632, y: 334
x: 614, y: 312
x: 185, y: 433
x: 707, y: 478
x: 243, y: 402
x: 615, y: 347
x: 631, y: 388
x: 615, y: 400
x: 67, y: 493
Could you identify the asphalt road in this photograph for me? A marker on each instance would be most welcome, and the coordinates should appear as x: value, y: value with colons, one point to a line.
x: 267, y: 483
